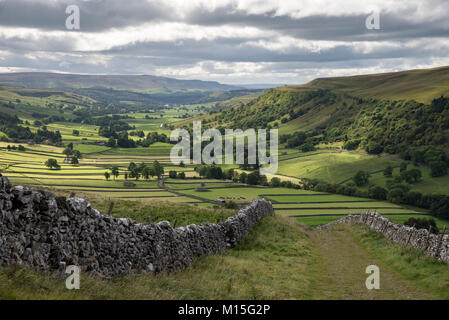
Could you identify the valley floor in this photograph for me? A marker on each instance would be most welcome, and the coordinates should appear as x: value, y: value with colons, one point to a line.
x: 280, y: 259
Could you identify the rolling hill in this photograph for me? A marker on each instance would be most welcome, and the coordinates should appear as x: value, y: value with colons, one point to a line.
x: 403, y: 113
x: 144, y: 83
x: 421, y: 85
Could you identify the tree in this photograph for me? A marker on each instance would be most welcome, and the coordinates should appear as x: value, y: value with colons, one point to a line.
x: 134, y: 173
x: 388, y: 171
x: 423, y: 223
x: 361, y: 178
x: 263, y: 181
x: 440, y: 207
x: 403, y: 166
x: 351, y: 144
x: 115, y: 172
x: 181, y: 175
x: 67, y: 152
x: 243, y: 176
x: 438, y: 168
x: 307, y: 147
x: 253, y: 178
x: 146, y: 172
x: 158, y: 169
x: 76, y: 133
x: 411, y: 176
x: 275, y: 182
x: 124, y: 142
x: 107, y: 175
x: 74, y: 161
x: 374, y: 148
x: 172, y: 174
x: 77, y: 154
x: 132, y: 166
x: 396, y: 195
x: 378, y: 193
x: 111, y: 143
x: 52, y: 164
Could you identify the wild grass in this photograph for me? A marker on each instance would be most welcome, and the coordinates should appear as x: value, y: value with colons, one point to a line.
x: 412, y: 264
x: 270, y: 263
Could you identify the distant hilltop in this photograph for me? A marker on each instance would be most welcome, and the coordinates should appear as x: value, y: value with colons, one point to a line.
x: 45, y: 80
x: 422, y: 85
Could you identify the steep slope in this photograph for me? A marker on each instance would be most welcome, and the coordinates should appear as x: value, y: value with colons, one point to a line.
x: 421, y: 85
x: 362, y: 108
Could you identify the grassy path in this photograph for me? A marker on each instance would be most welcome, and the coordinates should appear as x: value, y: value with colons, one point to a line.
x: 339, y: 264
x: 279, y: 259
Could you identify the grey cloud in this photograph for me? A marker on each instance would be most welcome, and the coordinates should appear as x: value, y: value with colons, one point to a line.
x: 147, y: 57
x: 95, y: 15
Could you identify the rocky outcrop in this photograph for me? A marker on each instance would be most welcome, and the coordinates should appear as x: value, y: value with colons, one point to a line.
x: 435, y: 245
x: 40, y: 230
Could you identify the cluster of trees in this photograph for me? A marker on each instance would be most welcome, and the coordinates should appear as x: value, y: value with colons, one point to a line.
x: 45, y: 135
x: 361, y: 178
x: 10, y: 126
x: 138, y: 133
x: 154, y: 170
x: 423, y: 223
x: 305, y: 141
x: 73, y: 155
x: 113, y: 171
x: 410, y: 176
x: 396, y: 193
x: 48, y: 120
x: 176, y: 175
x: 113, y: 128
x: 153, y: 137
x: 415, y: 130
x: 252, y: 178
x: 136, y: 171
x: 121, y: 140
x: 20, y: 147
x: 351, y: 144
x: 436, y: 159
x: 271, y: 106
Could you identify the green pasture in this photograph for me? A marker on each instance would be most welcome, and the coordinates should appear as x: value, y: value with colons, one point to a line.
x: 333, y: 167
x: 320, y: 220
x: 362, y: 205
x: 64, y: 181
x: 242, y: 194
x: 427, y: 185
x: 314, y: 197
x: 324, y: 210
x: 158, y: 150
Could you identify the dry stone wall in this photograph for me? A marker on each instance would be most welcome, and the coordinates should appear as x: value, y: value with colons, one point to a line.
x: 40, y: 230
x: 435, y: 245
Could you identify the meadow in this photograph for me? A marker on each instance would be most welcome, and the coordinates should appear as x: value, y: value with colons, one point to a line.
x: 328, y: 163
x: 87, y: 180
x: 333, y: 166
x: 282, y: 258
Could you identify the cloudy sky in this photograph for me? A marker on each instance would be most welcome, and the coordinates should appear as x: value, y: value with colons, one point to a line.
x: 231, y: 41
